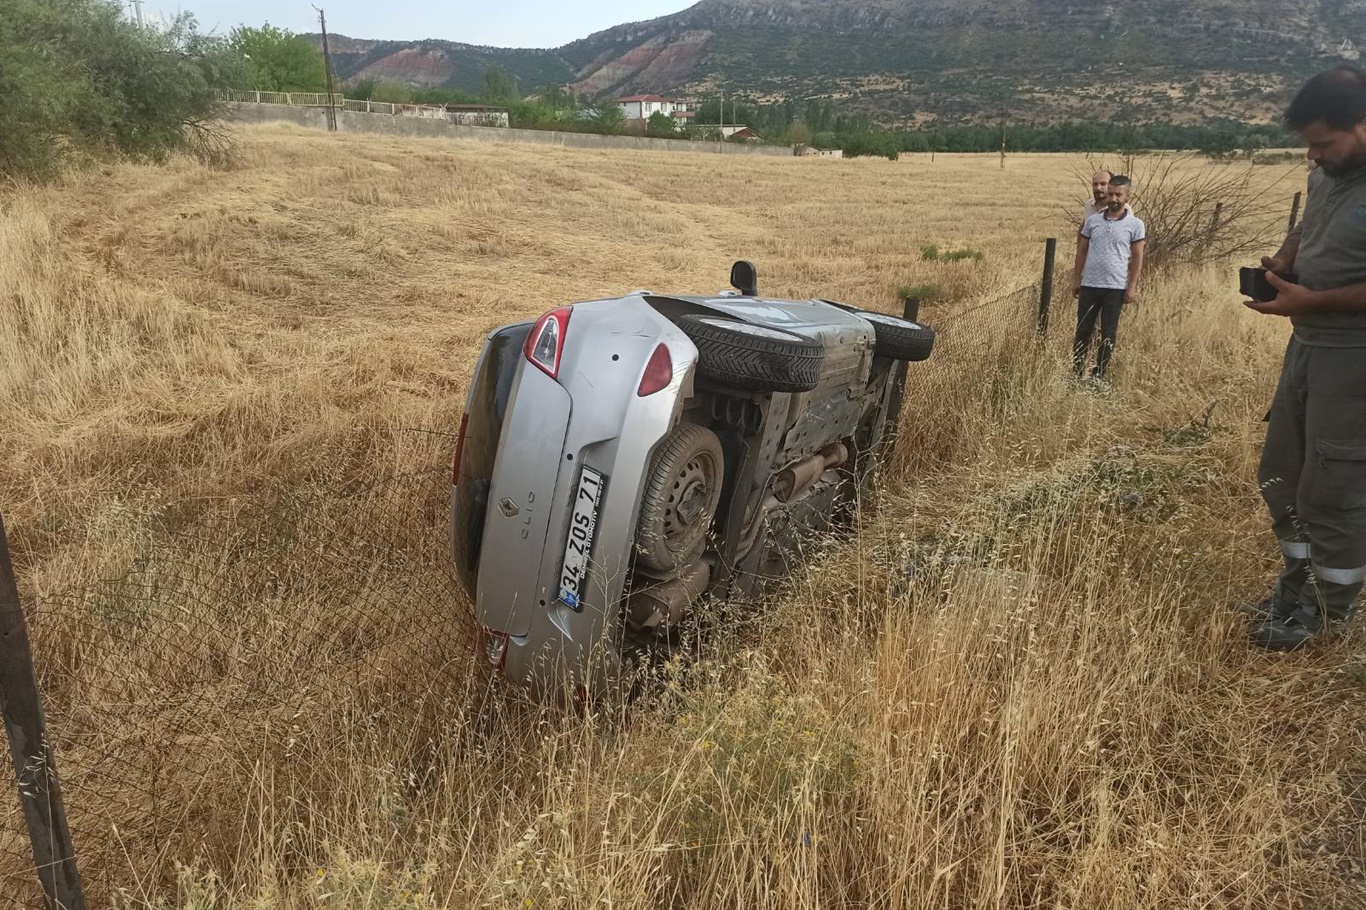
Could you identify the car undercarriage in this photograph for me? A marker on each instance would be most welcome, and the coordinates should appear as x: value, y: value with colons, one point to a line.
x: 622, y: 460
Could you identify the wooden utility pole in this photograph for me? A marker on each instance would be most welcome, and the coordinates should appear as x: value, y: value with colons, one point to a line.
x: 40, y: 794
x: 327, y: 65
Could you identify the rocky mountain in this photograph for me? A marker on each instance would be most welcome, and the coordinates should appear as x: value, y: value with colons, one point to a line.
x: 918, y: 61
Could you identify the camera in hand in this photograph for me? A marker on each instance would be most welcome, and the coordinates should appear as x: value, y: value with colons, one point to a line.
x: 1252, y: 283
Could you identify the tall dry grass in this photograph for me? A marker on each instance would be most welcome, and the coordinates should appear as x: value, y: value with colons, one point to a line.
x: 1020, y: 684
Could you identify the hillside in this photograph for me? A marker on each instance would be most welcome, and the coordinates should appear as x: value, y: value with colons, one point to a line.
x: 432, y: 64
x: 908, y: 61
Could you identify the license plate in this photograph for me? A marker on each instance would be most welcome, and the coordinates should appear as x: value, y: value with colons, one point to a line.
x: 579, y: 548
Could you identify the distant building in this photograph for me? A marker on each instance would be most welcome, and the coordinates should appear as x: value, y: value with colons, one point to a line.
x: 640, y: 107
x: 810, y: 151
x: 740, y: 132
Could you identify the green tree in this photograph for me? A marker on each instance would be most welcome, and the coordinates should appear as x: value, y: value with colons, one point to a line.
x: 363, y: 89
x: 443, y: 96
x: 607, y: 118
x: 499, y: 85
x: 661, y: 125
x: 558, y: 98
x: 393, y: 91
x: 280, y: 60
x: 40, y: 92
x: 735, y: 112
x: 77, y: 78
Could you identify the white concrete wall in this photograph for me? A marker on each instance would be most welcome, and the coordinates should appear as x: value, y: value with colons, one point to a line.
x: 390, y: 125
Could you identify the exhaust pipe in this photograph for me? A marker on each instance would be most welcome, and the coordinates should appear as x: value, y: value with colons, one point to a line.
x: 797, y: 479
x: 659, y: 606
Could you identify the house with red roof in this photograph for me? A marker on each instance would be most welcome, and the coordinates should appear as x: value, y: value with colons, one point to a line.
x: 640, y: 107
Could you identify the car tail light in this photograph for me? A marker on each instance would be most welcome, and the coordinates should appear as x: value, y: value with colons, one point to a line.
x: 546, y: 341
x: 493, y: 646
x: 459, y: 449
x: 658, y: 372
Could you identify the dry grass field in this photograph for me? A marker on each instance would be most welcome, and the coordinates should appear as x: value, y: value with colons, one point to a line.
x: 224, y: 396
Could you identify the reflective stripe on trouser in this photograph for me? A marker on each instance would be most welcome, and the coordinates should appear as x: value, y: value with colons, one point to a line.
x: 1295, y: 549
x: 1313, y: 475
x: 1290, y: 586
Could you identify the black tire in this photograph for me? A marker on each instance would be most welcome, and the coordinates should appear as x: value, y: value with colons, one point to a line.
x: 682, y: 491
x: 899, y: 339
x: 753, y: 356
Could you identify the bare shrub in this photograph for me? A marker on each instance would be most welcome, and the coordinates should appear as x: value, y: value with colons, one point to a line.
x: 1198, y: 209
x: 211, y: 143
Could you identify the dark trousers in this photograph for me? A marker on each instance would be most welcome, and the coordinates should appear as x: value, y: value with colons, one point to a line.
x: 1103, y: 304
x: 1313, y: 477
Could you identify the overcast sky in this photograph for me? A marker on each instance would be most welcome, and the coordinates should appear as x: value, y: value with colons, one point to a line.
x: 501, y: 23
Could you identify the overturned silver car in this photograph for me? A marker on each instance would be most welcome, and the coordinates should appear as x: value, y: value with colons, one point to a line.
x: 620, y: 459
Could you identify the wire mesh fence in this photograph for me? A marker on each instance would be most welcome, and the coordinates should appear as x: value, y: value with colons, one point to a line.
x: 219, y: 675
x: 984, y: 351
x: 245, y: 645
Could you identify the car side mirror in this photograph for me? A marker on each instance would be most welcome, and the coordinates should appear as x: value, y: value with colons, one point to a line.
x: 744, y: 278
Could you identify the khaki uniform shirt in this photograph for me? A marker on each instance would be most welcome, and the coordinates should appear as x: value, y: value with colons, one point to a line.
x: 1332, y: 255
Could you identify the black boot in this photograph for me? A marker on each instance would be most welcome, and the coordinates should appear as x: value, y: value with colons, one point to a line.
x: 1298, y: 628
x: 1270, y: 608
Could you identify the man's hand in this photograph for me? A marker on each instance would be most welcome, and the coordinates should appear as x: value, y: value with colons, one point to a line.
x: 1290, y: 300
x: 1131, y: 296
x: 1076, y: 288
x: 1275, y: 264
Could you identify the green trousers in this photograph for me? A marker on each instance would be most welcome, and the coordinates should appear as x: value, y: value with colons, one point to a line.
x: 1313, y: 477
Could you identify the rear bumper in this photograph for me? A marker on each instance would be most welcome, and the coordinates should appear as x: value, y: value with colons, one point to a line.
x: 590, y: 415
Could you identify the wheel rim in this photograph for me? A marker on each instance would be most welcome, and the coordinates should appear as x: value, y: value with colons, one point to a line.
x: 685, y: 508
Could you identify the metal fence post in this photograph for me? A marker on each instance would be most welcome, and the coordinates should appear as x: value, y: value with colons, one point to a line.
x: 40, y: 794
x: 1050, y: 254
x: 1294, y: 213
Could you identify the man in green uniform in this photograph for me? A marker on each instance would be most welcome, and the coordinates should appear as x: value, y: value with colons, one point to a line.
x: 1313, y: 470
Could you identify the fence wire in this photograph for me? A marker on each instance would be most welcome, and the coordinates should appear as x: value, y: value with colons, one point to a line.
x: 248, y: 644
x: 984, y: 351
x: 241, y: 651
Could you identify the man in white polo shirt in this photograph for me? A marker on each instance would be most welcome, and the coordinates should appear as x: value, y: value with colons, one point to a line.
x: 1109, y: 262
